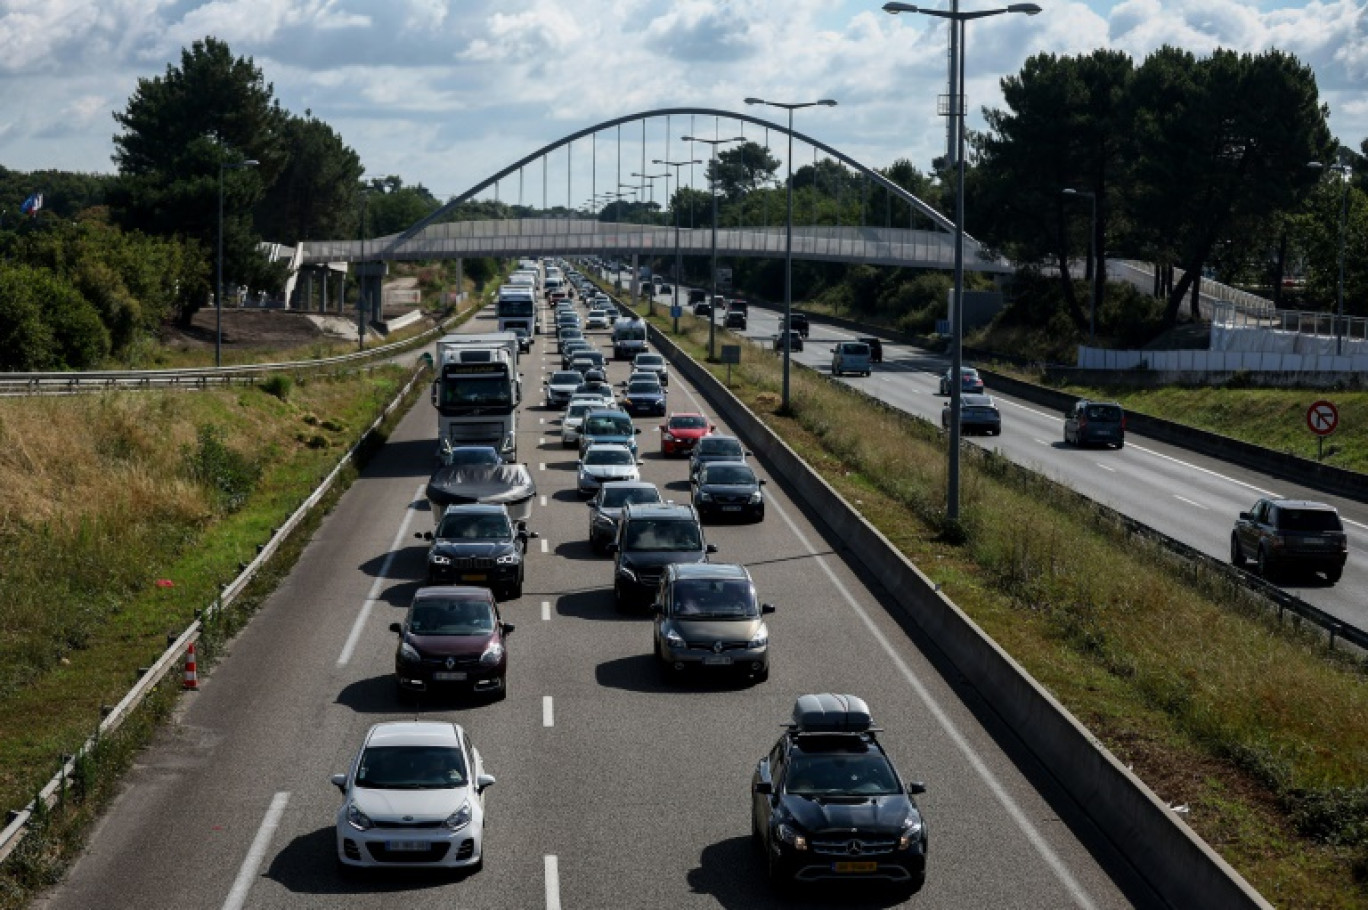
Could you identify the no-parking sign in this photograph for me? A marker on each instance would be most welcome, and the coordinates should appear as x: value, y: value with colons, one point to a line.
x: 1322, y: 417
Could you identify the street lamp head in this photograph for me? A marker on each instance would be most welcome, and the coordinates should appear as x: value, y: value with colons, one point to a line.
x: 827, y: 102
x: 755, y: 100
x: 896, y: 8
x: 1029, y: 9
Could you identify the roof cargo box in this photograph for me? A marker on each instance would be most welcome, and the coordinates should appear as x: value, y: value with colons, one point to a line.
x: 827, y: 713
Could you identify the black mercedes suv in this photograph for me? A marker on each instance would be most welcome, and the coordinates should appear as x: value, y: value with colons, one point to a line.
x: 649, y: 538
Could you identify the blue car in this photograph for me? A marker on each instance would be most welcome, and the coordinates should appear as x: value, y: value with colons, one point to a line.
x: 644, y: 398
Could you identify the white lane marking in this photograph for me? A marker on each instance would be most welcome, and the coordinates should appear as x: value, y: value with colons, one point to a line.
x: 1033, y: 835
x: 541, y: 440
x: 1187, y: 464
x: 541, y: 466
x: 548, y: 712
x: 552, y: 883
x: 1105, y: 467
x: 1044, y: 442
x: 360, y: 623
x: 541, y: 420
x: 1357, y: 524
x: 1190, y: 502
x: 546, y: 611
x: 543, y: 502
x: 256, y: 854
x: 543, y: 545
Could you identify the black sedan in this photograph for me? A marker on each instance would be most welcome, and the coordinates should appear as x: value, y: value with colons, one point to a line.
x: 644, y: 398
x: 729, y: 489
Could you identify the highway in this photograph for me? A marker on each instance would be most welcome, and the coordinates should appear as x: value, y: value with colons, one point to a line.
x: 615, y: 788
x: 1190, y: 497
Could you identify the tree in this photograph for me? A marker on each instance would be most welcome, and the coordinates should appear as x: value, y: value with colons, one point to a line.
x: 315, y: 196
x: 742, y: 169
x: 178, y: 130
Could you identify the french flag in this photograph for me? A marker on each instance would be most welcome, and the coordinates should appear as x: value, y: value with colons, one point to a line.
x: 32, y: 204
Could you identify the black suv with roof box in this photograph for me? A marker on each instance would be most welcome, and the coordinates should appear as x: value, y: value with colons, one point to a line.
x: 649, y: 538
x: 1282, y: 534
x: 827, y: 804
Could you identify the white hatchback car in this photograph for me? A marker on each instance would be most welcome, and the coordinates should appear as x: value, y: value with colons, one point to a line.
x: 597, y: 319
x: 414, y: 798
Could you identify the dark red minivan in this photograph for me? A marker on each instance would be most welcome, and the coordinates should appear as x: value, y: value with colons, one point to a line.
x: 452, y: 640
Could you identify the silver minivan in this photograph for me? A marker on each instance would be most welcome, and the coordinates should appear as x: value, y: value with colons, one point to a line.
x: 850, y: 357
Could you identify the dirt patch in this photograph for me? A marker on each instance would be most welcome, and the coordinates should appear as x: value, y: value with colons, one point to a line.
x: 254, y: 329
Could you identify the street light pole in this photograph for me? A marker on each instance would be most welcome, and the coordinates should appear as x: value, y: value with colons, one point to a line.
x: 788, y: 235
x: 957, y: 20
x: 679, y: 259
x: 712, y: 299
x: 218, y: 279
x: 1096, y: 266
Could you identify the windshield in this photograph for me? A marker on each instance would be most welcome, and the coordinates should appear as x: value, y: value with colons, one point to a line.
x: 630, y: 333
x: 714, y: 446
x: 608, y: 426
x: 607, y: 456
x: 474, y: 526
x: 577, y: 411
x: 489, y: 390
x: 727, y: 473
x: 411, y: 768
x: 614, y: 498
x: 645, y: 535
x: 714, y: 599
x: 650, y: 360
x: 473, y: 455
x: 845, y: 773
x: 1308, y: 520
x: 515, y: 308
x: 1102, y: 412
x: 643, y: 388
x: 451, y: 616
x: 567, y: 377
x: 687, y: 423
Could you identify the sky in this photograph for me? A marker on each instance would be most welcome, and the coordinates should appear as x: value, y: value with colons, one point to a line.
x: 446, y: 92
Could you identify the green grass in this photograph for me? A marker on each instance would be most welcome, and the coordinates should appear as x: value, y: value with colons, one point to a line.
x: 1186, y: 677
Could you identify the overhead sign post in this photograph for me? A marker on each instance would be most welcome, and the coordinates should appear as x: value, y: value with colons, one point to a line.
x: 731, y: 353
x: 1322, y: 418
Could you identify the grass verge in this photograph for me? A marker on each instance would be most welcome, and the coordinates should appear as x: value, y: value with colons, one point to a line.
x: 1257, y: 728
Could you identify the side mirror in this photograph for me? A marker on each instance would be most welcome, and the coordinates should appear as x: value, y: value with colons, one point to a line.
x: 531, y: 535
x: 423, y: 535
x: 396, y: 628
x: 340, y: 782
x: 636, y: 431
x: 1246, y: 516
x: 484, y: 782
x: 764, y: 787
x: 611, y: 548
x: 761, y: 481
x: 710, y: 548
x: 915, y: 788
x: 712, y: 428
x: 507, y: 627
x: 767, y: 608
x: 579, y: 462
x: 749, y: 453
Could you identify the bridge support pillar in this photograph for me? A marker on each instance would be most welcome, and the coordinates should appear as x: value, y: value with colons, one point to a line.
x: 636, y: 277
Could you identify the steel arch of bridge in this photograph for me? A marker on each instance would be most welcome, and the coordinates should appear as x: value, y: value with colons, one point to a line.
x: 583, y: 236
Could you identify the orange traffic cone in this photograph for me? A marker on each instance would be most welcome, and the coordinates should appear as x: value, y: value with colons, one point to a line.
x: 191, y: 672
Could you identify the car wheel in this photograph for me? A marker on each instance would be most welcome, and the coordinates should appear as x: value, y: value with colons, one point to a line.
x: 780, y: 882
x: 1236, y: 554
x: 1332, y: 575
x: 915, y: 884
x: 757, y: 839
x: 1121, y: 445
x: 619, y: 598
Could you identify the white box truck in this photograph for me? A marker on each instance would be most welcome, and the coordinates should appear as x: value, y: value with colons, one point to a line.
x: 477, y: 391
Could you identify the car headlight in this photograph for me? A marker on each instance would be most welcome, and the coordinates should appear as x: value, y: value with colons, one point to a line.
x: 911, y: 832
x: 458, y: 819
x: 668, y: 437
x: 409, y: 654
x: 674, y: 639
x: 760, y: 639
x: 704, y: 496
x: 358, y: 819
x: 789, y: 835
x: 756, y: 498
x: 509, y: 559
x: 492, y: 655
x: 437, y: 559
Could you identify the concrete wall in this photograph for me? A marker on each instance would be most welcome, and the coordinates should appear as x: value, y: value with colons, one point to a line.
x: 1181, y: 868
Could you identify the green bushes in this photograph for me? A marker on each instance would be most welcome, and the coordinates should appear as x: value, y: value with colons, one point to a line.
x: 229, y: 476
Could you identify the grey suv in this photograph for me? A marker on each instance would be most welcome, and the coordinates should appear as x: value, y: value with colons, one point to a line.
x: 649, y: 538
x: 1095, y: 423
x: 1290, y: 533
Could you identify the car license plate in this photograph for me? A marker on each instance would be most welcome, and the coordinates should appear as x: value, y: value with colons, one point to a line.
x: 476, y: 577
x: 731, y: 508
x: 406, y: 846
x: 447, y: 676
x: 718, y: 660
x: 855, y: 867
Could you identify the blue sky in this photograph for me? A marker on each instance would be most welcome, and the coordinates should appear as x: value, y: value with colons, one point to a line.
x: 444, y: 92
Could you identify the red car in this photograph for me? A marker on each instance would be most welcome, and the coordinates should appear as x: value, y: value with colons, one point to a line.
x: 681, y: 432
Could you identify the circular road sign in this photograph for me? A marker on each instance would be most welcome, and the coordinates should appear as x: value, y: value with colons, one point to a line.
x: 1322, y: 417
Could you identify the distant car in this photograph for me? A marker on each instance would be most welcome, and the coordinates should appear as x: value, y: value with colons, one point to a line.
x: 725, y: 489
x: 611, y: 426
x: 702, y: 308
x: 644, y: 397
x: 793, y: 338
x: 452, y: 639
x: 875, y: 347
x: 970, y: 381
x: 468, y: 455
x: 649, y: 538
x: 697, y: 295
x: 798, y: 322
x: 561, y: 386
x: 568, y: 334
x: 666, y: 289
x: 715, y: 448
x: 605, y: 508
x: 737, y: 312
x: 830, y: 764
x: 978, y: 413
x: 571, y: 349
x: 850, y: 357
x: 708, y: 617
x: 413, y: 797
x: 597, y: 387
x: 597, y: 319
x: 478, y: 543
x: 598, y: 374
x: 654, y: 363
x: 1286, y: 534
x: 603, y: 462
x: 1095, y: 423
x: 573, y: 419
x: 524, y: 339
x: 681, y: 432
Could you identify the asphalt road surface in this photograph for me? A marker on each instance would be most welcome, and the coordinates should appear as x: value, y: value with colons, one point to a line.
x: 615, y: 788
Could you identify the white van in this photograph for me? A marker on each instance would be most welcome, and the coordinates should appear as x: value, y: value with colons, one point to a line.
x: 850, y: 357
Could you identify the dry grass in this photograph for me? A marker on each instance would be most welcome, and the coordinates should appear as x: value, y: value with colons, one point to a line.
x: 1254, y: 726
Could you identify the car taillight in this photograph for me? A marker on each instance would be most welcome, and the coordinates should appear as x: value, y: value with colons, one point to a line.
x: 1123, y: 422
x: 1082, y: 422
